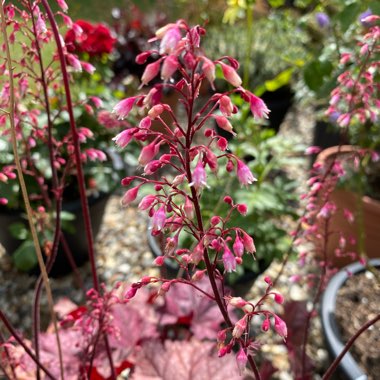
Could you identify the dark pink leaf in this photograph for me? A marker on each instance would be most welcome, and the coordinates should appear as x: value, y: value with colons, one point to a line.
x: 185, y: 360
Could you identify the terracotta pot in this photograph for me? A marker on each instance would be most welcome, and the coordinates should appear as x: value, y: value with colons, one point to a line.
x: 345, y: 199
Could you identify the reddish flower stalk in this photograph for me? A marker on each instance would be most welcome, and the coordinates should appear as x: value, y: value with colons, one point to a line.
x: 177, y: 200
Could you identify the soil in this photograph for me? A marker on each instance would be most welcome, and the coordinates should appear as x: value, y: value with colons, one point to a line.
x: 357, y: 302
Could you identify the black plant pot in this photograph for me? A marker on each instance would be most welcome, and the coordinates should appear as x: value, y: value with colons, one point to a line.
x: 170, y: 270
x: 348, y: 366
x: 77, y: 241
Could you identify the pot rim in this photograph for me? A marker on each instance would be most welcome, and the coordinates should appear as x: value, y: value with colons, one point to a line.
x: 329, y: 324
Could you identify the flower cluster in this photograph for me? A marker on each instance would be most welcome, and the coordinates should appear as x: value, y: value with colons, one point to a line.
x: 356, y: 98
x: 172, y: 148
x: 84, y: 37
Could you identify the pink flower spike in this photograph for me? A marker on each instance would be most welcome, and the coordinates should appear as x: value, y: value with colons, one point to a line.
x: 231, y: 75
x: 151, y: 71
x: 280, y: 327
x: 229, y: 260
x: 158, y: 221
x: 224, y: 124
x: 145, y: 123
x: 244, y: 175
x: 199, y: 177
x: 156, y: 111
x: 258, y: 107
x: 241, y: 361
x: 123, y: 108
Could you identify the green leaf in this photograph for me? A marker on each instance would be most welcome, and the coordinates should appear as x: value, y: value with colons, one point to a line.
x: 315, y: 73
x: 276, y: 3
x: 349, y: 15
x: 25, y: 257
x: 18, y: 230
x: 280, y: 80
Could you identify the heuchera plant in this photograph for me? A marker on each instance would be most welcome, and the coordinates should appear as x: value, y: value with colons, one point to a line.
x: 192, y: 151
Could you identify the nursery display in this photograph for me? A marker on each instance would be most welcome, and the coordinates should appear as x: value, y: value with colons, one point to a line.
x: 222, y: 192
x: 46, y: 145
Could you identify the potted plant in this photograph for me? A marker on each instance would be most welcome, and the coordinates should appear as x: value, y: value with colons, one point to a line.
x: 356, y: 169
x: 47, y: 144
x: 349, y: 367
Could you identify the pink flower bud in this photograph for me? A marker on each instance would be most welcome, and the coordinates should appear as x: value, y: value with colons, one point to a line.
x: 266, y: 325
x: 199, y: 177
x: 159, y: 261
x: 130, y: 196
x: 150, y: 72
x: 242, y: 208
x: 171, y: 245
x: 268, y: 280
x: 244, y: 175
x: 222, y: 351
x: 152, y: 167
x: 227, y: 199
x: 229, y: 260
x: 130, y: 293
x: 159, y: 219
x: 221, y: 336
x: 170, y: 39
x: 148, y: 152
x: 258, y: 107
x: 230, y: 75
x: 237, y: 302
x: 222, y: 144
x: 241, y: 361
x: 278, y: 298
x: 280, y: 327
x: 238, y: 247
x: 215, y: 220
x: 208, y: 69
x: 224, y: 124
x: 145, y: 123
x: 197, y: 254
x: 63, y: 5
x: 142, y: 57
x: 3, y: 201
x: 156, y: 111
x: 123, y: 108
x: 124, y: 137
x: 239, y: 328
x: 198, y: 275
x: 248, y: 242
x: 225, y: 105
x: 169, y: 67
x: 230, y: 166
x: 74, y: 62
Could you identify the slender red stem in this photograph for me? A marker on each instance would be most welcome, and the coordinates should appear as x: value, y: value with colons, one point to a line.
x: 348, y: 345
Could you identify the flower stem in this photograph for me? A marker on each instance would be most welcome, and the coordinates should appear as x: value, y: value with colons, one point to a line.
x: 24, y: 190
x: 348, y: 345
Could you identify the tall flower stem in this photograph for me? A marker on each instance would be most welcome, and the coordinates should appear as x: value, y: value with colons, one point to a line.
x: 24, y: 190
x: 58, y: 195
x: 80, y: 174
x: 210, y: 271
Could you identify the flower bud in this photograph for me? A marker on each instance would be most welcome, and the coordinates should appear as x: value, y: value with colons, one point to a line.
x: 239, y: 328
